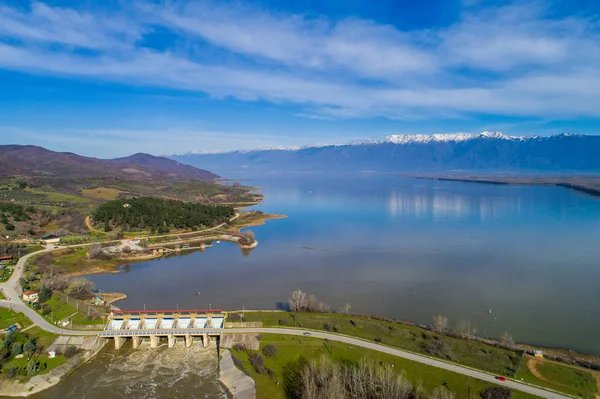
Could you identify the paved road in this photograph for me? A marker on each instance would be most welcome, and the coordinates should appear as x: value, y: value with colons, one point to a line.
x: 518, y: 386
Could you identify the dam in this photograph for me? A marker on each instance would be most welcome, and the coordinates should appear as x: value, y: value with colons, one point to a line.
x: 170, y: 324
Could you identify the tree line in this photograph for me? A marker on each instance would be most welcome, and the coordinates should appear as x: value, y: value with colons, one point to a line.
x: 159, y: 215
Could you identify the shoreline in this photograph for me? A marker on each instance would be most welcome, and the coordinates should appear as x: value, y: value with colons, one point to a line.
x: 566, y: 182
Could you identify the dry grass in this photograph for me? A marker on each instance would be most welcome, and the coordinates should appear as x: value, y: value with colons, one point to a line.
x: 101, y: 193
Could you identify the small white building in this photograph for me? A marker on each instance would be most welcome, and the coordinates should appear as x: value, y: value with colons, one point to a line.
x: 31, y: 296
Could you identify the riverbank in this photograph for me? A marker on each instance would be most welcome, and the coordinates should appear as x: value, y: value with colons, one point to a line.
x: 88, y: 347
x: 585, y: 184
x: 237, y: 383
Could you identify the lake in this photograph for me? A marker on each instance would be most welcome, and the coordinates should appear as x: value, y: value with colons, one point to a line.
x: 522, y: 259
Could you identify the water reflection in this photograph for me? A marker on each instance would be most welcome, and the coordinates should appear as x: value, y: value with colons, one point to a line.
x: 405, y: 249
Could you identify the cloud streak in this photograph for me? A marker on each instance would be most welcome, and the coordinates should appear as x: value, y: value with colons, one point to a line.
x: 511, y: 61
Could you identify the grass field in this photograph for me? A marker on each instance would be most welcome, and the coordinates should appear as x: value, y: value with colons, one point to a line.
x: 563, y: 378
x: 9, y: 317
x: 468, y: 353
x: 290, y: 349
x: 61, y: 310
x: 42, y: 338
x: 101, y: 193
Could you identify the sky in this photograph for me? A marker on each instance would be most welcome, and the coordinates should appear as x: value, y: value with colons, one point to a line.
x: 109, y: 78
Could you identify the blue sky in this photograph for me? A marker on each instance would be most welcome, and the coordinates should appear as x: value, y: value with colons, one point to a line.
x: 113, y: 77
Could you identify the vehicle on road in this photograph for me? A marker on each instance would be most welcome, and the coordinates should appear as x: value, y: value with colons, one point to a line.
x: 500, y: 378
x: 306, y: 333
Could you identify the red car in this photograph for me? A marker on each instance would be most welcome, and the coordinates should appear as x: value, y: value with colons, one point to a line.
x: 501, y: 379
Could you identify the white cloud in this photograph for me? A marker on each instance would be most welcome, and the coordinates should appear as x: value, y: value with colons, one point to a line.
x: 526, y: 63
x: 68, y: 27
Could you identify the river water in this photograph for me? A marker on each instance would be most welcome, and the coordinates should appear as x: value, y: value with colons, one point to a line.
x: 143, y: 373
x: 401, y: 248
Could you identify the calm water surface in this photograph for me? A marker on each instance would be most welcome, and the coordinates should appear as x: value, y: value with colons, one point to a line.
x: 406, y: 249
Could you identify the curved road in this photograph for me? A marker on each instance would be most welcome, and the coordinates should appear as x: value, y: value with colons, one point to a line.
x: 11, y: 290
x: 480, y: 375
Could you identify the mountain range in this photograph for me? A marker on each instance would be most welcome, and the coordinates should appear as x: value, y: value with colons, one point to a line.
x: 29, y: 160
x: 488, y: 152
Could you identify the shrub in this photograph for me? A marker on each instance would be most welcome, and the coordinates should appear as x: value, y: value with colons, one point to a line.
x: 257, y: 362
x: 496, y: 393
x: 11, y: 372
x: 270, y: 373
x: 283, y: 322
x: 269, y: 350
x: 239, y: 347
x: 239, y: 364
x: 326, y: 327
x: 234, y: 317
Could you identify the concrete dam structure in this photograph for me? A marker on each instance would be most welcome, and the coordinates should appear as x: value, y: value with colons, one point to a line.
x: 170, y: 324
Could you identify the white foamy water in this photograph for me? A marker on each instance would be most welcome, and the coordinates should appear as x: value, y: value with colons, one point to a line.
x: 144, y: 373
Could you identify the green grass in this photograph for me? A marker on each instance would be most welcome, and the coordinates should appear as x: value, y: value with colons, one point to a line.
x: 9, y: 317
x: 50, y: 363
x: 290, y: 349
x: 5, y: 274
x: 563, y: 378
x: 468, y: 353
x: 43, y: 338
x: 2, y: 295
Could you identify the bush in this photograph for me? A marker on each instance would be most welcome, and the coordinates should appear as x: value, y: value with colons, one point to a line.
x: 234, y: 317
x: 46, y: 310
x: 283, y: 322
x: 239, y: 347
x: 496, y: 393
x: 257, y: 362
x: 270, y: 373
x: 269, y: 350
x: 11, y: 372
x: 239, y: 364
x: 71, y: 351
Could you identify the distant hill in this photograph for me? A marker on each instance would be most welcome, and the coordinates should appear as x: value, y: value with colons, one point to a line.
x: 166, y: 165
x: 17, y: 160
x: 482, y: 152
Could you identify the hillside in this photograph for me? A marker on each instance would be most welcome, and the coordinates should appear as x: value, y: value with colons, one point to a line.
x: 484, y: 152
x: 63, y: 187
x: 38, y: 161
x: 165, y: 165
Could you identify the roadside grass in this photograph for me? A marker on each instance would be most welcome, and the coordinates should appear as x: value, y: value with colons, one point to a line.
x: 61, y: 310
x: 43, y: 338
x: 563, y: 378
x: 6, y: 273
x: 2, y: 295
x: 9, y: 317
x: 468, y: 353
x: 101, y: 193
x: 291, y: 349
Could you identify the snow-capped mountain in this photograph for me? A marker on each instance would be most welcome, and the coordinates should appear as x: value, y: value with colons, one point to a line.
x: 486, y: 151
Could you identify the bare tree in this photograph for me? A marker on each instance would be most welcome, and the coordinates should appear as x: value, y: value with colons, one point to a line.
x: 440, y: 323
x: 312, y: 304
x: 325, y: 379
x: 94, y: 250
x: 80, y: 288
x: 442, y: 393
x: 298, y: 301
x: 507, y: 340
x: 347, y: 308
x: 466, y: 329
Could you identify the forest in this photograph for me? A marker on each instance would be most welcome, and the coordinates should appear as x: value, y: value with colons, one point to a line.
x: 159, y: 215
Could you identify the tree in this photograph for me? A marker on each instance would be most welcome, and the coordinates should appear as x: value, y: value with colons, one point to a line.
x: 9, y: 226
x: 45, y: 294
x: 312, y: 304
x: 440, y: 323
x: 33, y: 367
x: 442, y: 393
x: 507, y: 340
x: 80, y: 288
x: 94, y: 250
x: 16, y: 348
x: 29, y: 346
x: 347, y: 308
x: 269, y: 350
x: 297, y: 301
x: 466, y: 329
x: 71, y: 351
x: 496, y: 392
